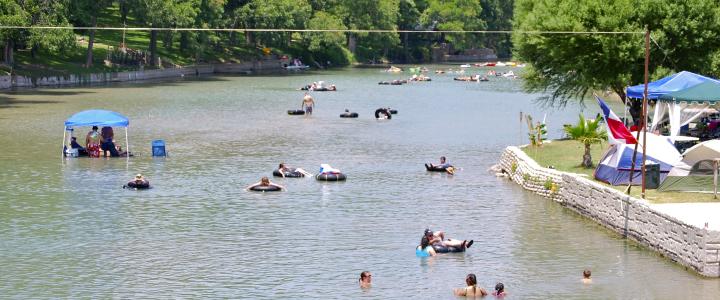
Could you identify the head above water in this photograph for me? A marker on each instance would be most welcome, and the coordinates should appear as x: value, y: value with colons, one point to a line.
x: 424, y: 242
x: 428, y: 232
x: 264, y: 181
x: 499, y: 287
x: 365, y: 277
x: 281, y: 165
x: 442, y: 159
x: 470, y: 279
x: 94, y: 128
x: 139, y: 177
x: 586, y: 273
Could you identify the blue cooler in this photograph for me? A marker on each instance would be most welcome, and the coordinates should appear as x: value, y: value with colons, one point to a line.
x: 158, y: 148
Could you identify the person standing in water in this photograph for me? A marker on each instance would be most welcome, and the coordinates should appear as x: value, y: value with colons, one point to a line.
x: 308, y: 104
x: 586, y: 276
x: 471, y: 290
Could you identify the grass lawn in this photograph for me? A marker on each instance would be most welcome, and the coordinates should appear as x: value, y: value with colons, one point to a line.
x: 566, y: 155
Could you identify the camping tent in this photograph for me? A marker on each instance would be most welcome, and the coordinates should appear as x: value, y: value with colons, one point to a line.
x: 97, y: 117
x: 615, y: 165
x: 685, y: 106
x: 685, y: 178
x: 672, y: 83
x: 695, y: 172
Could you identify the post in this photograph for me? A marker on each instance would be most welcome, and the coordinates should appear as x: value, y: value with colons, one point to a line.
x: 127, y: 146
x: 715, y: 177
x: 643, y: 118
x: 62, y: 153
x: 645, y: 107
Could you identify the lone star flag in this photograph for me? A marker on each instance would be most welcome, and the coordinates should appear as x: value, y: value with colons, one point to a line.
x: 617, y: 132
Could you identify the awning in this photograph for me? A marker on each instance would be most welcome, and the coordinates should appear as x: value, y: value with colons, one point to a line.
x: 707, y: 92
x: 672, y: 83
x: 97, y: 117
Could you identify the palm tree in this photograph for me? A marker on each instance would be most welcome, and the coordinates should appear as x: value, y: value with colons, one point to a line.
x: 586, y: 132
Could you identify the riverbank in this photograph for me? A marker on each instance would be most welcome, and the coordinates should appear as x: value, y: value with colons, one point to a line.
x: 671, y: 231
x: 257, y: 66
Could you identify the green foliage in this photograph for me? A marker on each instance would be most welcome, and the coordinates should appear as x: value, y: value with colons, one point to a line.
x: 513, y: 167
x: 274, y: 14
x: 455, y: 15
x: 536, y: 132
x: 587, y: 133
x: 548, y: 184
x: 568, y: 67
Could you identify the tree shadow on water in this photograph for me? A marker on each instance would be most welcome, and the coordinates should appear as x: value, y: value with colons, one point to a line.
x: 10, y: 102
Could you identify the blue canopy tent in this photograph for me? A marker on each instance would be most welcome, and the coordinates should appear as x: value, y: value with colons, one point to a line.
x: 97, y: 117
x: 672, y: 83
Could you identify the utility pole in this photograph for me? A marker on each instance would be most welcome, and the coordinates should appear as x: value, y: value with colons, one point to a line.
x: 643, y: 121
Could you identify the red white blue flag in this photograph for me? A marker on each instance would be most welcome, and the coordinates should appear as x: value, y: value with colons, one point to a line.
x: 617, y: 132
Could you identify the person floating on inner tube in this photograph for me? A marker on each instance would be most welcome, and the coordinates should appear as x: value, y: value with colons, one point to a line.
x: 439, y: 239
x: 327, y: 169
x: 139, y: 183
x: 425, y: 249
x: 284, y: 169
x: 443, y: 165
x: 264, y: 182
x: 308, y: 104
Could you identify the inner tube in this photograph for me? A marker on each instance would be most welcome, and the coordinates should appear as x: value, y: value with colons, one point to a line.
x: 384, y: 111
x: 296, y: 112
x: 349, y: 115
x: 293, y: 174
x: 393, y: 111
x: 330, y: 177
x: 383, y: 82
x: 436, y: 168
x: 265, y: 188
x: 140, y: 186
x: 439, y: 248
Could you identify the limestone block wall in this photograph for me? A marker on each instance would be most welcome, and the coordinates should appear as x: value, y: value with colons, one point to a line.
x: 693, y: 247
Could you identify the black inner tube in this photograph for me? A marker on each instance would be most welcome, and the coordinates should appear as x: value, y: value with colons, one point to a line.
x: 383, y: 111
x: 265, y: 188
x: 140, y: 186
x: 444, y: 249
x: 436, y: 168
x: 349, y: 115
x: 296, y: 112
x: 330, y: 177
x: 291, y: 174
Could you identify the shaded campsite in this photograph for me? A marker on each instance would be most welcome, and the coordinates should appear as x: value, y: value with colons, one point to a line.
x: 564, y: 155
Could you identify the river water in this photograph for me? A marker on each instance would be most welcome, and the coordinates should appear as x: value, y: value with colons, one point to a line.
x: 68, y: 229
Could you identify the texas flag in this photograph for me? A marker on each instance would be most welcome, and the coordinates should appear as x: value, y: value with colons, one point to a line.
x: 617, y: 132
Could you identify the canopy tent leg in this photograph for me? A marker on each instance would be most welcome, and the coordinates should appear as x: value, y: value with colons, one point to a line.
x: 127, y: 146
x: 62, y: 153
x: 715, y: 177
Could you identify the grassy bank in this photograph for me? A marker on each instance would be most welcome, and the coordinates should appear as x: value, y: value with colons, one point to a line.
x: 566, y: 155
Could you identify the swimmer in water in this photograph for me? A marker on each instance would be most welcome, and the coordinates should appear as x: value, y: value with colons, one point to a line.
x: 471, y: 290
x: 586, y: 276
x: 365, y: 280
x: 265, y: 182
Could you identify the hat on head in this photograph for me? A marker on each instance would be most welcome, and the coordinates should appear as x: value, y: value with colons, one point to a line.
x: 428, y: 231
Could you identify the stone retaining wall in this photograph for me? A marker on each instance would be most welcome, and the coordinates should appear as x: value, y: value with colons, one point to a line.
x: 7, y: 82
x: 693, y: 247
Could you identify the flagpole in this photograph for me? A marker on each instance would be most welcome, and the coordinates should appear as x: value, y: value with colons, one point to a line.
x: 645, y: 107
x: 643, y: 118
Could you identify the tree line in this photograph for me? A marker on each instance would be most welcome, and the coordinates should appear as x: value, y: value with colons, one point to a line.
x: 334, y: 47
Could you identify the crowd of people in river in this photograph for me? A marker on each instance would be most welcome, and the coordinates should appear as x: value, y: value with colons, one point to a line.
x: 96, y: 144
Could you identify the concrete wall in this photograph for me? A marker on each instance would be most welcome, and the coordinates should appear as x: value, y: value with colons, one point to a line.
x: 7, y: 82
x: 693, y: 247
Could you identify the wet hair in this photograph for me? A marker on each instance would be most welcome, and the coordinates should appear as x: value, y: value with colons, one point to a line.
x: 265, y: 181
x: 281, y: 165
x: 499, y: 288
x: 424, y: 242
x: 586, y: 273
x: 364, y: 275
x: 442, y: 158
x: 471, y: 279
x: 94, y: 128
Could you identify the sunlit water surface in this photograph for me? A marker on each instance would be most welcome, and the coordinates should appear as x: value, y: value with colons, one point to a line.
x: 68, y: 229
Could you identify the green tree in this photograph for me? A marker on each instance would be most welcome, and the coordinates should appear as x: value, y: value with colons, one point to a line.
x: 370, y: 14
x: 587, y: 133
x: 86, y: 13
x: 455, y: 15
x: 11, y: 14
x: 274, y: 14
x: 162, y: 14
x: 326, y: 45
x: 568, y: 67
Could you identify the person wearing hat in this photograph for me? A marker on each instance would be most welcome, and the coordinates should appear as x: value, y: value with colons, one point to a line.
x: 439, y: 238
x: 138, y: 183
